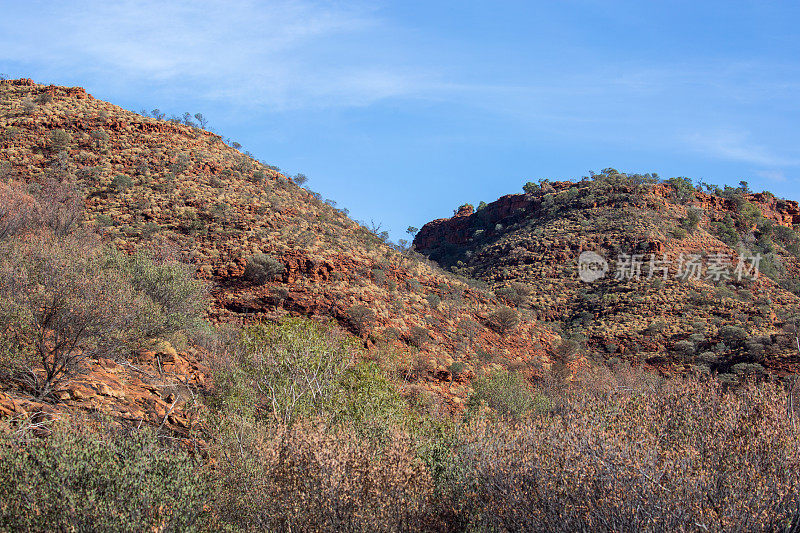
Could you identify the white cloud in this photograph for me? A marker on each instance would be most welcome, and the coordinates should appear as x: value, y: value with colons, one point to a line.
x: 777, y: 176
x: 282, y: 54
x: 737, y: 146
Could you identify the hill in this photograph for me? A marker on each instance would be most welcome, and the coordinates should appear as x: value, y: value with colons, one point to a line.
x: 192, y: 341
x: 171, y: 185
x: 694, y: 312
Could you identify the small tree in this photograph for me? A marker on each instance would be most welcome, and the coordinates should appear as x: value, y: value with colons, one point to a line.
x: 64, y: 300
x: 531, y: 188
x: 201, y: 120
x: 693, y: 218
x: 300, y: 179
x: 262, y: 268
x: 504, y: 320
x: 361, y: 317
x: 61, y: 307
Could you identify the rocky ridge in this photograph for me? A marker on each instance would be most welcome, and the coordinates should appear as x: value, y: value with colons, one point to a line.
x: 527, y: 247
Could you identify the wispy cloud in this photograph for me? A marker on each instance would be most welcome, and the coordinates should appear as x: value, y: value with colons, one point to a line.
x: 282, y: 54
x: 775, y: 176
x: 737, y: 146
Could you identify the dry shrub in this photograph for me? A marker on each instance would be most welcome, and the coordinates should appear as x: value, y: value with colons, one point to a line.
x: 361, y: 318
x: 675, y: 456
x: 66, y: 298
x: 15, y: 210
x: 313, y: 478
x: 59, y: 206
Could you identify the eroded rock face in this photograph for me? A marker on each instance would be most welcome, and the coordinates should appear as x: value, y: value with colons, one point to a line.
x: 153, y: 389
x: 459, y: 229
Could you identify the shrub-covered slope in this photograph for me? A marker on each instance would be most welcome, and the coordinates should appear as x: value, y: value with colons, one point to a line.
x: 527, y: 247
x: 267, y: 246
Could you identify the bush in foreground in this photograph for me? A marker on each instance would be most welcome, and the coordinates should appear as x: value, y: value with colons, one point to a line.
x: 75, y: 480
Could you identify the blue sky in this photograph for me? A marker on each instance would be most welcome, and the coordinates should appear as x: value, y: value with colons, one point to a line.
x: 401, y: 111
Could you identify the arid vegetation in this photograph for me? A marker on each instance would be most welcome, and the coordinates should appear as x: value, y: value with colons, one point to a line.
x: 190, y: 341
x: 526, y: 247
x: 621, y: 450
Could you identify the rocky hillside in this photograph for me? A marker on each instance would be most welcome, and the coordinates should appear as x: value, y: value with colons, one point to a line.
x: 267, y: 246
x: 691, y: 313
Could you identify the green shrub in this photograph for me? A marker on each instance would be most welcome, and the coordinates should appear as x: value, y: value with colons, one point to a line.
x: 504, y: 320
x: 506, y: 393
x: 484, y: 356
x: 655, y: 327
x: 434, y: 300
x: 743, y: 369
x: 104, y: 220
x: 361, y: 318
x: 708, y: 357
x: 368, y: 402
x: 121, y: 182
x: 733, y: 335
x: 457, y: 368
x: 76, y: 481
x: 170, y: 298
x: 99, y: 135
x: 684, y: 348
x: 262, y: 268
x: 295, y: 366
x: 59, y: 140
x: 379, y: 276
